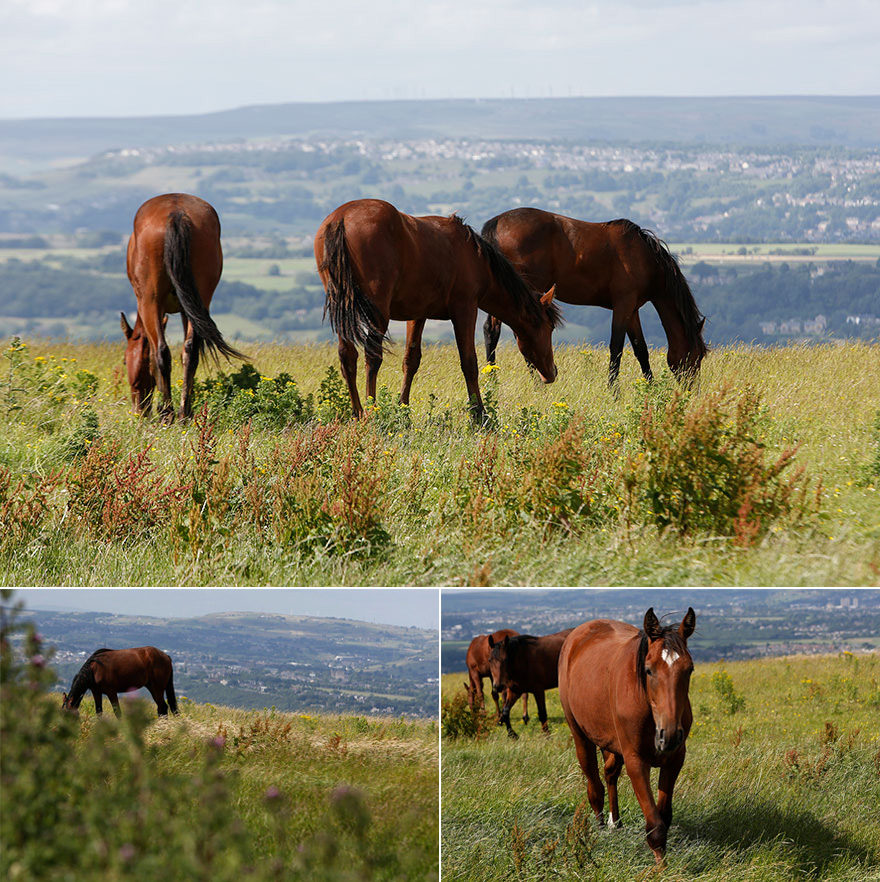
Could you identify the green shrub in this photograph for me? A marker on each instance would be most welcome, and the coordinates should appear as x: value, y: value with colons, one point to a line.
x: 731, y: 700
x: 702, y: 467
x: 459, y: 720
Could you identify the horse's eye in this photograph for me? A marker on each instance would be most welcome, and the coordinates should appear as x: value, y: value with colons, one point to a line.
x: 649, y: 672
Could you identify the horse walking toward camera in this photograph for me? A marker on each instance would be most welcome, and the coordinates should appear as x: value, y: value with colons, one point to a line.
x: 477, y: 660
x: 174, y: 263
x: 523, y: 664
x: 111, y: 671
x: 378, y: 264
x: 617, y: 265
x: 626, y: 691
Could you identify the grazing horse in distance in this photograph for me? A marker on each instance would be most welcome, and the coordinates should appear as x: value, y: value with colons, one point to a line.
x: 378, y: 264
x: 617, y: 265
x: 626, y: 691
x: 111, y: 671
x: 174, y: 263
x: 478, y: 667
x: 525, y: 664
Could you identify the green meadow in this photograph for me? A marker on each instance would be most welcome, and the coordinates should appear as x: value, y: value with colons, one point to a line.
x: 766, y: 473
x: 781, y: 782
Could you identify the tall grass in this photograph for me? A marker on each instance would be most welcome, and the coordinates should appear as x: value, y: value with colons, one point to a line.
x: 780, y: 786
x: 763, y: 475
x: 215, y: 794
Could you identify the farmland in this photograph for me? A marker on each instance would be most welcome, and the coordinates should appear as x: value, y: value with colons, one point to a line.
x: 273, y: 483
x: 779, y: 784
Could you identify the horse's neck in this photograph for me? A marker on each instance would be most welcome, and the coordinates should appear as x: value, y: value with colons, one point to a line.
x: 496, y: 301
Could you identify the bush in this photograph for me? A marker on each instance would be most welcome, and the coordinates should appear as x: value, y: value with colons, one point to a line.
x: 704, y: 468
x: 459, y: 720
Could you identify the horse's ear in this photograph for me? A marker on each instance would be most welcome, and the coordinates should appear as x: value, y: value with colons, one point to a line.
x: 491, y: 642
x: 506, y: 640
x: 547, y: 299
x: 126, y: 327
x: 688, y: 624
x: 652, y: 625
x: 164, y: 321
x: 702, y: 322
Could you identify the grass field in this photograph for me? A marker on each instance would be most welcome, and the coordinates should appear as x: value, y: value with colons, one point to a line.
x: 783, y: 788
x: 567, y: 485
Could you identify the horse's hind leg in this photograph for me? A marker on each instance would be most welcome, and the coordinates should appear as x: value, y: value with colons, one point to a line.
x: 640, y: 347
x: 159, y: 698
x: 412, y: 357
x: 171, y: 695
x: 114, y: 701
x: 586, y: 754
x: 542, y: 712
x: 373, y: 361
x: 348, y: 358
x: 613, y: 768
x: 190, y: 359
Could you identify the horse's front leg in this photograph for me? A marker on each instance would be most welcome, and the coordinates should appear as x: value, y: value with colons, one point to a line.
x: 655, y: 827
x: 618, y: 336
x: 542, y: 711
x: 509, y: 702
x: 464, y: 323
x: 668, y: 776
x: 491, y: 334
x: 114, y: 701
x: 525, y: 707
x: 639, y: 345
x: 412, y: 357
x: 99, y: 704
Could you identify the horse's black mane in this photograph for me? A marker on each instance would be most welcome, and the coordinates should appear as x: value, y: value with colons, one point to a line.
x: 504, y: 271
x: 671, y: 640
x: 85, y: 677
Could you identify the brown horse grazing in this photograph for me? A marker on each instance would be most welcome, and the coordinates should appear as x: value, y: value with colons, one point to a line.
x: 626, y: 692
x: 111, y: 671
x: 377, y: 264
x: 525, y: 664
x: 478, y: 667
x: 617, y: 265
x: 174, y: 264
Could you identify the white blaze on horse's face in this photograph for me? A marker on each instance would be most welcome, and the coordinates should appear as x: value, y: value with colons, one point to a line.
x: 670, y: 657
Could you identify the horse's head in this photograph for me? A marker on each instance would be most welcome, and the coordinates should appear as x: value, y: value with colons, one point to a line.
x: 684, y: 358
x: 498, y: 663
x: 666, y: 666
x: 137, y: 363
x: 68, y: 704
x: 535, y: 339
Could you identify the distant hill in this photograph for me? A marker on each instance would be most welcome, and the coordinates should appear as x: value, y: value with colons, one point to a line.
x: 799, y: 120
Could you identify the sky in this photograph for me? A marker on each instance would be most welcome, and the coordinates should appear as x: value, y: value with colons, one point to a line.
x: 419, y: 607
x: 134, y: 58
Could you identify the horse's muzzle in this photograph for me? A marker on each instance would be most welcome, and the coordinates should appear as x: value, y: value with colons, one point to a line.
x: 668, y: 741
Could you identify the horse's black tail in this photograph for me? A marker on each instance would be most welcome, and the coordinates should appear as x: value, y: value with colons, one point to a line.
x: 678, y: 288
x: 170, y: 695
x: 178, y: 238
x: 352, y: 315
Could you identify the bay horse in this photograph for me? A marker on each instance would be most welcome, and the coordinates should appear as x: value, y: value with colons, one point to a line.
x: 174, y: 261
x: 625, y: 691
x: 525, y: 664
x: 478, y: 667
x: 377, y: 263
x: 111, y: 671
x: 618, y: 265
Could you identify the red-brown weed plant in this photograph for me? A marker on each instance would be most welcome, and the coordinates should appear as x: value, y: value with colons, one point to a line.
x: 119, y: 496
x: 23, y: 508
